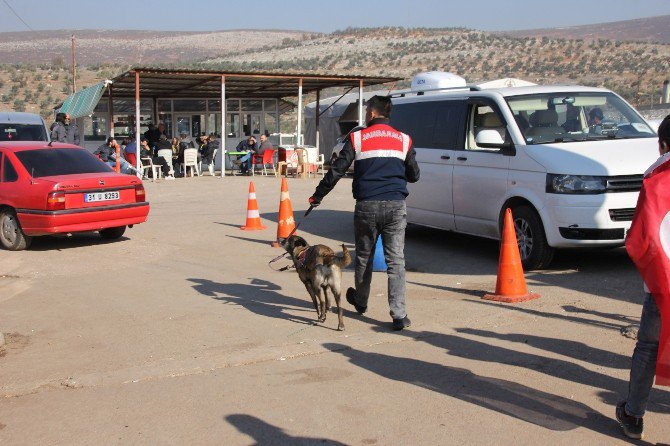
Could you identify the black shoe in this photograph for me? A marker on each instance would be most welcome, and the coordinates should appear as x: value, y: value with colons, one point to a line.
x: 632, y: 426
x: 399, y: 324
x: 351, y: 298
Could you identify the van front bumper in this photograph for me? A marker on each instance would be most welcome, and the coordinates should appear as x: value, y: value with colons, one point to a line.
x: 588, y: 220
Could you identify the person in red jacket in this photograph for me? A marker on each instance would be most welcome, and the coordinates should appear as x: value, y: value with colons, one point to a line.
x: 384, y: 161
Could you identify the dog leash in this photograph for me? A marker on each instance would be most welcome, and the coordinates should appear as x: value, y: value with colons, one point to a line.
x: 281, y: 256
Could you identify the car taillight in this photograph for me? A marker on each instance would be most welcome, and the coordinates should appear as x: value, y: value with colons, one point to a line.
x: 56, y: 201
x: 139, y: 193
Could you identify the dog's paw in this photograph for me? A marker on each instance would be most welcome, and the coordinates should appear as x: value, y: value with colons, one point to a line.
x: 340, y: 327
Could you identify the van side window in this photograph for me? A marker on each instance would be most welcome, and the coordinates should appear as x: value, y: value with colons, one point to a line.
x: 417, y: 120
x: 484, y: 117
x: 448, y: 125
x: 9, y: 174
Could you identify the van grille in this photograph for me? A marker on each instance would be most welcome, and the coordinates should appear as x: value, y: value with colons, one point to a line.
x: 622, y: 214
x: 624, y: 183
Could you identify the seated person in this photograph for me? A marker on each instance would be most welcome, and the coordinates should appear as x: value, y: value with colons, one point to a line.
x: 249, y: 146
x: 146, y: 152
x: 265, y: 145
x: 107, y: 153
x: 164, y: 144
x: 572, y: 122
x: 596, y: 117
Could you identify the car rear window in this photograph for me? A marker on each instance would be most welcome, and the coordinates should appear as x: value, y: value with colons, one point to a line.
x: 22, y: 132
x: 48, y: 162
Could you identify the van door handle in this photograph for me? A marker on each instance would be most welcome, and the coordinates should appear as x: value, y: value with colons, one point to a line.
x: 462, y: 158
x: 445, y: 157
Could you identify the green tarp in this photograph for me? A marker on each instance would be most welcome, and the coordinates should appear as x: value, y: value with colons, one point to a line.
x: 83, y: 102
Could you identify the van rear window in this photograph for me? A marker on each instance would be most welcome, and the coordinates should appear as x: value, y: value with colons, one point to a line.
x: 22, y: 132
x: 49, y: 162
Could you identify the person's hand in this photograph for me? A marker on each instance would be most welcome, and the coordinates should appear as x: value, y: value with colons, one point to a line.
x: 314, y: 202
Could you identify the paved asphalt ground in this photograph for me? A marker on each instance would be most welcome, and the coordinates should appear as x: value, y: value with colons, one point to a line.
x: 179, y: 333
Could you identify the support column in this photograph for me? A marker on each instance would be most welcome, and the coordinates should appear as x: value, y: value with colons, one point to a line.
x: 318, y: 116
x: 360, y: 103
x: 137, y: 123
x: 155, y: 108
x: 111, y: 111
x: 223, y: 126
x: 299, y: 130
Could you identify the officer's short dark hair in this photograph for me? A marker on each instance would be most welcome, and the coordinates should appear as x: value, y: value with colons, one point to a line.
x: 664, y: 130
x: 60, y: 117
x: 110, y: 139
x: 381, y: 104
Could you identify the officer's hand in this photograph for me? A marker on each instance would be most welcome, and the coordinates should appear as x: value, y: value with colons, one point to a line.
x: 314, y: 202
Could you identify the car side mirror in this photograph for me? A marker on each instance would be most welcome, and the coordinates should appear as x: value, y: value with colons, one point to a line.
x: 491, y: 139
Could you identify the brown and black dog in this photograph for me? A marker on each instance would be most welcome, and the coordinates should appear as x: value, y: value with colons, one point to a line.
x: 319, y: 269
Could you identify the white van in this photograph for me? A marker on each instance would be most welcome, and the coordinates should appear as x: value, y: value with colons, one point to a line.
x: 567, y: 160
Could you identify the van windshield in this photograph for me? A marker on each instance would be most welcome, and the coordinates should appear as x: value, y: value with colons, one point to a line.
x: 569, y: 117
x: 22, y: 132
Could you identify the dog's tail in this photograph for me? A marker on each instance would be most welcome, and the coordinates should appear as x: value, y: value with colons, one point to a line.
x: 343, y: 258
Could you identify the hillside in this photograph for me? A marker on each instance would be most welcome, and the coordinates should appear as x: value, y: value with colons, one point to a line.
x: 96, y: 47
x: 650, y: 29
x: 634, y: 69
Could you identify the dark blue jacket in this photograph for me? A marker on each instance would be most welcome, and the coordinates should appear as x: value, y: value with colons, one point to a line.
x: 384, y: 162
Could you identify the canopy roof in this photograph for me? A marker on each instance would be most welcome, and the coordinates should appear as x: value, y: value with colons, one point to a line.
x: 176, y: 83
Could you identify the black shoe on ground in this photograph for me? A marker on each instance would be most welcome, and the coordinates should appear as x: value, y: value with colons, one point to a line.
x: 632, y: 426
x: 351, y: 298
x: 399, y: 324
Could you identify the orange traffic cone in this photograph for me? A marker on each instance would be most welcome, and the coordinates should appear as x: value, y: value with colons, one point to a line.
x: 253, y: 216
x: 285, y: 222
x: 511, y: 285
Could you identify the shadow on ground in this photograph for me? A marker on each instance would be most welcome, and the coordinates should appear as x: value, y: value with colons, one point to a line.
x: 78, y: 240
x: 260, y: 297
x: 613, y: 388
x: 265, y: 434
x: 505, y: 397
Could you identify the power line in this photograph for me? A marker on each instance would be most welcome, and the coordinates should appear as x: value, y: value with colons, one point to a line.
x: 17, y: 15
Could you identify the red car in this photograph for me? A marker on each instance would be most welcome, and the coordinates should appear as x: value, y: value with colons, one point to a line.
x: 60, y: 188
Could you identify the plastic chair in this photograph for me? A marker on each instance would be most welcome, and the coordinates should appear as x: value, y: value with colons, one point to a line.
x: 191, y: 160
x: 146, y: 164
x: 266, y: 159
x: 166, y: 154
x: 319, y: 165
x: 210, y: 166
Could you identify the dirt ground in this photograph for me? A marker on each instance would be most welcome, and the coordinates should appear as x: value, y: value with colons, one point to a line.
x: 179, y: 333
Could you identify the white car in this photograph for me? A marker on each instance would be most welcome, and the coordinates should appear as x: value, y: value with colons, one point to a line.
x: 571, y: 181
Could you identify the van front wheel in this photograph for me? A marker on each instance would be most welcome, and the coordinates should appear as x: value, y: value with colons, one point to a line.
x: 533, y: 247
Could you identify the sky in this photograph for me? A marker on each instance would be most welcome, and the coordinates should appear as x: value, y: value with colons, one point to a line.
x: 317, y: 15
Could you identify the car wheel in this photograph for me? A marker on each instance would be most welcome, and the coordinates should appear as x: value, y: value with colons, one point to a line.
x: 11, y: 234
x: 533, y: 247
x: 113, y: 233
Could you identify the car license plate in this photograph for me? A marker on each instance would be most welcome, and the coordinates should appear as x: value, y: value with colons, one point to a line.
x: 101, y: 196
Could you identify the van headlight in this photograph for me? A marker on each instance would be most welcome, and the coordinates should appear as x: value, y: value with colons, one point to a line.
x: 575, y: 184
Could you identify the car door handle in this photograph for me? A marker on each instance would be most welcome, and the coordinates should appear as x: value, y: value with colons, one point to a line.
x: 462, y: 158
x: 445, y: 157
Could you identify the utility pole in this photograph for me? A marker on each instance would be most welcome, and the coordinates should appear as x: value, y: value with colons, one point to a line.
x: 74, y: 69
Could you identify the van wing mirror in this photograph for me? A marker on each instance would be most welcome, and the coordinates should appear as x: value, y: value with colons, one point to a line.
x: 491, y: 139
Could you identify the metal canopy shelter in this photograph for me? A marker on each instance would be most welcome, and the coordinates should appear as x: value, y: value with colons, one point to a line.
x: 175, y: 83
x: 163, y: 82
